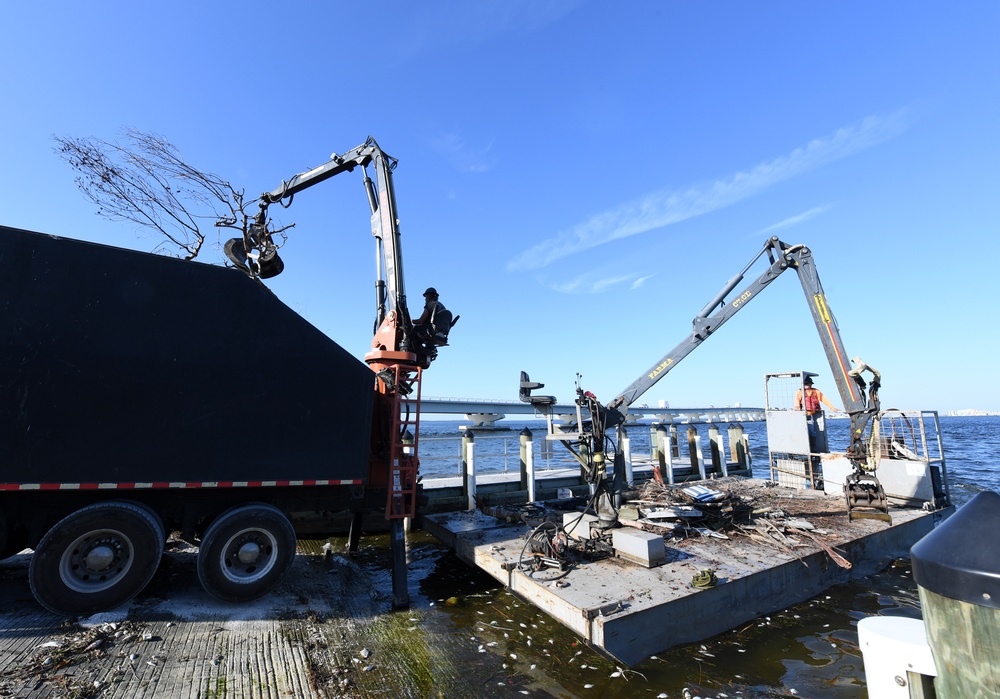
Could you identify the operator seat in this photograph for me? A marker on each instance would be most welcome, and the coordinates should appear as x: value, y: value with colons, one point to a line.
x: 527, y: 386
x: 441, y: 324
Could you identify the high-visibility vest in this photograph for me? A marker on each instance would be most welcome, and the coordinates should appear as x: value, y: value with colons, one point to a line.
x: 812, y: 401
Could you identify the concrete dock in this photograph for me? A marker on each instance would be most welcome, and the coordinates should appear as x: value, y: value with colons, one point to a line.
x: 631, y: 612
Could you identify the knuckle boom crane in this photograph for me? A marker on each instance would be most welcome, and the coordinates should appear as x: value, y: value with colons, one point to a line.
x: 863, y: 492
x: 396, y: 356
x: 121, y: 421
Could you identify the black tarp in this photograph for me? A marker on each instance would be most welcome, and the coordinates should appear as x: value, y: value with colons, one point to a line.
x: 122, y: 366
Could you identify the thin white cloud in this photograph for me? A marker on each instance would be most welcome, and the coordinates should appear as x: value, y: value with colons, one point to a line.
x: 641, y: 280
x: 796, y: 220
x: 462, y: 156
x: 586, y: 284
x: 663, y: 208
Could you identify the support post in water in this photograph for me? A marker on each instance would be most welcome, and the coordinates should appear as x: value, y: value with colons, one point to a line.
x: 528, y: 463
x: 663, y: 453
x: 694, y: 449
x: 354, y: 535
x: 713, y: 448
x: 655, y: 443
x: 736, y: 444
x: 397, y: 536
x: 469, y: 468
x: 627, y: 452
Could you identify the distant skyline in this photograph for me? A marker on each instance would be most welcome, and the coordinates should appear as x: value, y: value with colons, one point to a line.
x: 577, y: 179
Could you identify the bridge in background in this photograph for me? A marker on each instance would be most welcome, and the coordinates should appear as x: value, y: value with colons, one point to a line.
x: 484, y: 414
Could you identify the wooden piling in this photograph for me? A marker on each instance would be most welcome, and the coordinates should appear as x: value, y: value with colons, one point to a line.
x: 737, y: 444
x: 716, y: 450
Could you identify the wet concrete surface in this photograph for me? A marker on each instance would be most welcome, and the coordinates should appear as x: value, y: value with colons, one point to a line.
x: 328, y: 631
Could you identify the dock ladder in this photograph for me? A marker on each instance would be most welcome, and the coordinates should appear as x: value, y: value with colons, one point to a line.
x: 403, y: 459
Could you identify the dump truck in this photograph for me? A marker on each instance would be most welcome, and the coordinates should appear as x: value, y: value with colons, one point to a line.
x: 142, y: 395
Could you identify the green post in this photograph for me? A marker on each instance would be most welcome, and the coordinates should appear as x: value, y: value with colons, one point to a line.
x: 957, y: 572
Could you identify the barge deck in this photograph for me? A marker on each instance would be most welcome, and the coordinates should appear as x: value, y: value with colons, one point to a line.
x: 629, y: 611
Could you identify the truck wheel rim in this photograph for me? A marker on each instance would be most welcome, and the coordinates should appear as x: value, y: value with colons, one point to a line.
x: 96, y: 561
x: 249, y: 555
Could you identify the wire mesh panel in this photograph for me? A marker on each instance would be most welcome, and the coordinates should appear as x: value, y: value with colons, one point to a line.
x: 793, y: 437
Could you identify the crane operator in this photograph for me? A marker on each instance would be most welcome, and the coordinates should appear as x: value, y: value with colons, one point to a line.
x: 432, y: 327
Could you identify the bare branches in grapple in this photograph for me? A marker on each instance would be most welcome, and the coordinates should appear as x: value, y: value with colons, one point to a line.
x: 145, y: 180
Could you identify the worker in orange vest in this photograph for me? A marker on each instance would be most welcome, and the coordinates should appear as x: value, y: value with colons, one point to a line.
x: 811, y: 402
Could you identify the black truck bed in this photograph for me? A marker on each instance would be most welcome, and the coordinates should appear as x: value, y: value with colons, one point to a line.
x: 122, y: 367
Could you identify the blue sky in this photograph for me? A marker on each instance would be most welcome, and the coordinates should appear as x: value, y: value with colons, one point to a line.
x: 578, y: 179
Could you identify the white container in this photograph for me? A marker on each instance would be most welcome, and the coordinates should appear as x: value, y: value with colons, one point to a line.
x: 892, y: 646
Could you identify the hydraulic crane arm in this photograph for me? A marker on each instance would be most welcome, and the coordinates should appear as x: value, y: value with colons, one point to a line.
x: 257, y: 254
x: 781, y: 257
x: 707, y: 322
x: 861, y: 489
x: 393, y: 461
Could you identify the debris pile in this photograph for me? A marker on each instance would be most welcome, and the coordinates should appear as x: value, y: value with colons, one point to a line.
x: 732, y: 508
x: 725, y: 510
x: 684, y: 510
x: 54, y: 660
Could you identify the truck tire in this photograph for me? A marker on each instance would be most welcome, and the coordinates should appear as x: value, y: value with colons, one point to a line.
x: 246, y: 552
x: 96, y: 558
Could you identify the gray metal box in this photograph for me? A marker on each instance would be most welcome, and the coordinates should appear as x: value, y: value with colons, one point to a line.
x: 644, y: 548
x: 578, y: 525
